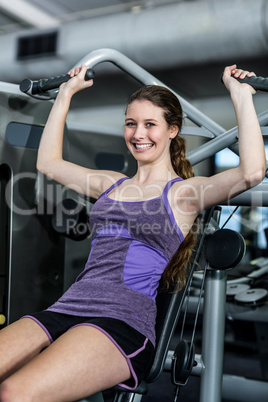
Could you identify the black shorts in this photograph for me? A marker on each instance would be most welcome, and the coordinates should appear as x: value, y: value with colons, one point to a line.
x: 136, y: 348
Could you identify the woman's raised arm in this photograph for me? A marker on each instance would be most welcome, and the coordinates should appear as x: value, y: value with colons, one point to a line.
x: 49, y: 160
x: 209, y: 191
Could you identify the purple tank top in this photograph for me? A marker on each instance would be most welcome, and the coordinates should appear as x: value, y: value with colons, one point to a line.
x: 132, y: 243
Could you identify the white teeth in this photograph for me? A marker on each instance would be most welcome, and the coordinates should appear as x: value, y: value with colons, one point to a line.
x: 143, y: 146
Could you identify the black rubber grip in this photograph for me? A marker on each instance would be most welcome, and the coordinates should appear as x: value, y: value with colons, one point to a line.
x: 258, y: 83
x: 46, y: 84
x: 25, y: 85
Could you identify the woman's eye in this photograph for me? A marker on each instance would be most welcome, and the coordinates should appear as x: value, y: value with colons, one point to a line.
x: 130, y: 124
x: 149, y: 124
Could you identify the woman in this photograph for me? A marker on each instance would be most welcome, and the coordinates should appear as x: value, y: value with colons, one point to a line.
x: 101, y: 332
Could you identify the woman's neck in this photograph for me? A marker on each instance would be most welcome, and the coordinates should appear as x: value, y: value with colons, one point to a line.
x: 150, y: 174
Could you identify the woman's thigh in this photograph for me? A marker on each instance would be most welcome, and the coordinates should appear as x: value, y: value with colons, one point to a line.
x: 20, y: 342
x: 80, y: 363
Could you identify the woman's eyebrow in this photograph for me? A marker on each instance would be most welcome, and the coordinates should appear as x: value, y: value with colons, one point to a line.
x: 130, y: 118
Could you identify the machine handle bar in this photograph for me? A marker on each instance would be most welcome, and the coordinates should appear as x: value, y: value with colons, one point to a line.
x: 258, y: 83
x: 46, y: 84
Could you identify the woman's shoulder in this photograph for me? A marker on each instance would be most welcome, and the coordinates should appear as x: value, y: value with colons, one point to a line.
x: 109, y: 179
x: 188, y: 191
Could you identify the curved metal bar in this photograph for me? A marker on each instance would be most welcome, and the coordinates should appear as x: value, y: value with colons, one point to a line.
x: 213, y: 146
x: 130, y: 67
x: 255, y: 197
x: 229, y: 139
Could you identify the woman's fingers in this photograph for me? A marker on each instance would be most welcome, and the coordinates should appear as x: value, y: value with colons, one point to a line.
x: 234, y: 72
x: 74, y: 71
x: 239, y: 73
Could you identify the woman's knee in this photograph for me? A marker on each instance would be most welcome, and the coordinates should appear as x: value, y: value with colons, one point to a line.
x: 5, y: 392
x: 10, y: 392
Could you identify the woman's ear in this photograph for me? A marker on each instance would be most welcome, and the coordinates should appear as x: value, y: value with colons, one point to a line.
x: 174, y: 129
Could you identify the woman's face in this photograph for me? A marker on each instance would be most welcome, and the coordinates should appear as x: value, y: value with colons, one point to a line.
x: 147, y: 134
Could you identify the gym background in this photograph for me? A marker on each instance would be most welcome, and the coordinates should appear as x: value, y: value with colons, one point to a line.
x: 185, y: 44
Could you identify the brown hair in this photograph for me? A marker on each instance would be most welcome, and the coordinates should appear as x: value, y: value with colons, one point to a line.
x: 176, y: 270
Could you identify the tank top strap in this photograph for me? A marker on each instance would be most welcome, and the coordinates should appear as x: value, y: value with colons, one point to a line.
x: 114, y: 185
x: 168, y: 206
x: 169, y: 185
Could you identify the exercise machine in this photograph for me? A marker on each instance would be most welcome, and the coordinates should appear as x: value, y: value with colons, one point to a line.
x: 208, y: 365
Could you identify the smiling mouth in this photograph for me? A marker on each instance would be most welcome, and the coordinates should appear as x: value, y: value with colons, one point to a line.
x: 142, y: 146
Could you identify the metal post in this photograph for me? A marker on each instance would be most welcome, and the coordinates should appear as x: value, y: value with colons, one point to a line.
x: 127, y: 396
x: 244, y: 389
x: 213, y: 336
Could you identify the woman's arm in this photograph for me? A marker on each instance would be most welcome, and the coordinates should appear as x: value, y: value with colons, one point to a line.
x: 206, y: 192
x: 252, y: 165
x: 49, y: 160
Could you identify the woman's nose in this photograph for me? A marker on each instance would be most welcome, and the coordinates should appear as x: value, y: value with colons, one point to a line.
x: 140, y: 133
